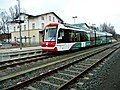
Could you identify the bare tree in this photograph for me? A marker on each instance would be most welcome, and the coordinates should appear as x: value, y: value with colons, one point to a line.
x: 107, y: 28
x: 1, y: 27
x: 4, y: 18
x: 14, y: 12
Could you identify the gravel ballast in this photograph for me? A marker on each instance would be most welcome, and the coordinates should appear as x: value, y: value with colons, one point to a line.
x: 111, y: 79
x: 105, y: 78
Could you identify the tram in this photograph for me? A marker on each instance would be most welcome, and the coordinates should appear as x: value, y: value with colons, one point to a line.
x: 63, y: 37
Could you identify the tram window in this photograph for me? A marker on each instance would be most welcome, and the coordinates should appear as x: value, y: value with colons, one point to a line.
x: 103, y: 37
x: 67, y: 36
x: 84, y: 36
x: 63, y: 36
x: 92, y: 36
x: 50, y: 34
x: 71, y: 36
x: 88, y: 36
x: 77, y: 36
x: 98, y: 37
x: 60, y: 35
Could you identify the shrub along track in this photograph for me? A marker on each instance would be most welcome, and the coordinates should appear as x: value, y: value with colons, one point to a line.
x: 44, y: 70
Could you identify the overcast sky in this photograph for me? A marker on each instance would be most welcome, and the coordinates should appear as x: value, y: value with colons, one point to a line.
x: 89, y: 11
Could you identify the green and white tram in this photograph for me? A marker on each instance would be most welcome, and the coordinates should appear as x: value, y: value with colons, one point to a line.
x: 63, y: 37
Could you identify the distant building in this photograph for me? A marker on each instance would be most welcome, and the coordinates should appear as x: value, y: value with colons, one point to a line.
x: 32, y: 27
x: 82, y: 25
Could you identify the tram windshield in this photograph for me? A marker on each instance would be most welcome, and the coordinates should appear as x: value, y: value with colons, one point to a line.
x: 50, y: 34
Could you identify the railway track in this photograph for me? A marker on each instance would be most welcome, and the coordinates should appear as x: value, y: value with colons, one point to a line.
x: 19, y: 62
x: 66, y: 67
x: 12, y: 63
x: 5, y: 66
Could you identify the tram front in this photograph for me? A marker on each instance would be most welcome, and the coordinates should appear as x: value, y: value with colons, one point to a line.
x: 49, y: 38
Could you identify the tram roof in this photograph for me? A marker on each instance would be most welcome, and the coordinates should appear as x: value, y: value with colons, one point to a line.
x: 76, y: 26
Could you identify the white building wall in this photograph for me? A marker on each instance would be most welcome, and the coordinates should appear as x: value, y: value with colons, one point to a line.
x: 34, y: 34
x: 47, y: 20
x: 35, y: 21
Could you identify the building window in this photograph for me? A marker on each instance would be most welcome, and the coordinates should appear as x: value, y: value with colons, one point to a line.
x: 42, y: 18
x: 49, y: 18
x: 33, y: 26
x: 24, y: 18
x: 24, y: 27
x: 15, y: 39
x: 34, y: 41
x: 42, y: 25
x: 14, y: 29
x: 17, y: 27
x: 53, y: 19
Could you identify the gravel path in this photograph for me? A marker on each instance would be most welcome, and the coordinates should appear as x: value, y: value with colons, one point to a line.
x: 108, y: 77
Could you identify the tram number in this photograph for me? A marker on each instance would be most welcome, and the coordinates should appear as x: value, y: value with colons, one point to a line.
x: 83, y: 44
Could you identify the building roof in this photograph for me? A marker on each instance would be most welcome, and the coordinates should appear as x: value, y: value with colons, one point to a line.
x: 81, y: 25
x: 27, y: 14
x: 51, y: 13
x: 38, y: 16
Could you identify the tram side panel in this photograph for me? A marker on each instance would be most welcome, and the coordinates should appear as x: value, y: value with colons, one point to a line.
x: 71, y: 40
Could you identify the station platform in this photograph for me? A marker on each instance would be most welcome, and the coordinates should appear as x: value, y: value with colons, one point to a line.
x: 17, y: 53
x: 18, y: 49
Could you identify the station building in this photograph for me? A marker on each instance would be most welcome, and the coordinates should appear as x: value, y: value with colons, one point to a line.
x: 32, y: 28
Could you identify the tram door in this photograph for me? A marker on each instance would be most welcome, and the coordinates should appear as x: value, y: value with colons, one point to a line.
x: 62, y: 40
